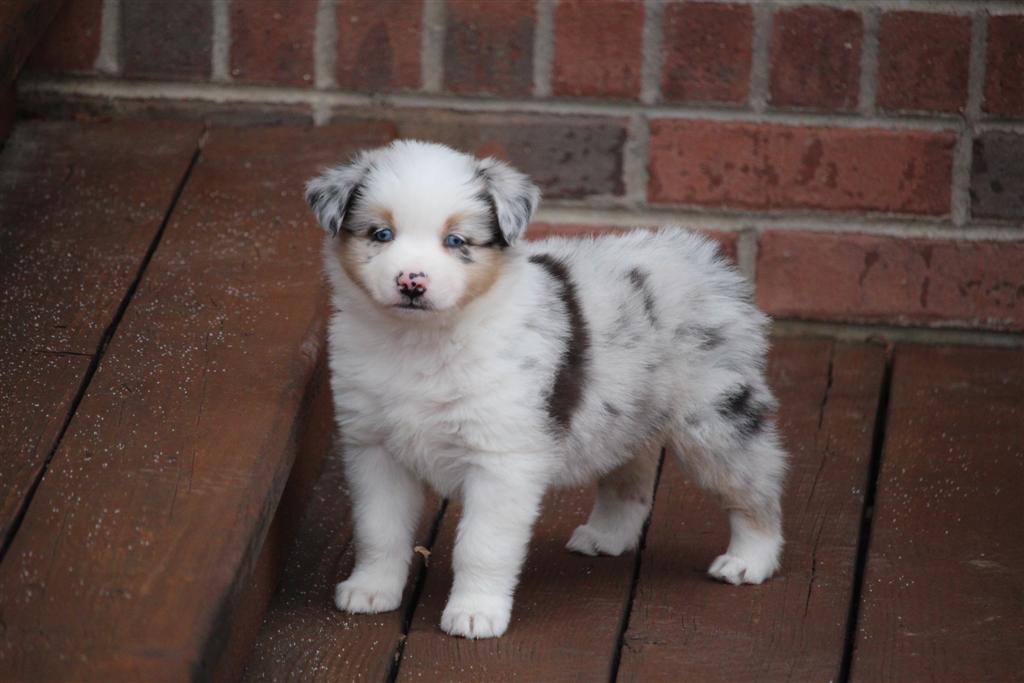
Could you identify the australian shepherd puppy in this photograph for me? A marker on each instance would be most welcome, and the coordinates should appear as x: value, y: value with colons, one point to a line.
x: 493, y: 369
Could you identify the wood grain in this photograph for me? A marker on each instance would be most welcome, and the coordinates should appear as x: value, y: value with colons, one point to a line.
x: 565, y: 622
x: 79, y: 207
x: 147, y: 526
x: 943, y: 596
x: 685, y: 626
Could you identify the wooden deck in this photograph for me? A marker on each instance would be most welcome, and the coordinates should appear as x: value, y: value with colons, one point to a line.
x: 164, y: 420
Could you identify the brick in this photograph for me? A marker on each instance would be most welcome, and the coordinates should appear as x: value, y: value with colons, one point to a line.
x: 539, y: 231
x: 922, y: 61
x: 72, y: 42
x: 166, y: 40
x: 997, y: 176
x: 769, y: 166
x: 872, y: 278
x: 706, y: 52
x: 598, y: 48
x: 815, y: 58
x: 569, y: 157
x: 272, y: 43
x: 379, y: 45
x: 488, y: 47
x: 1004, y: 83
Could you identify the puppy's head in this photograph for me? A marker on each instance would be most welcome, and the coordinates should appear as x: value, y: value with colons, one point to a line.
x: 420, y: 227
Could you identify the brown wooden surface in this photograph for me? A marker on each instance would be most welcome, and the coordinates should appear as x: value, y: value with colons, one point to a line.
x: 79, y: 207
x: 304, y: 638
x: 943, y: 596
x: 147, y: 526
x: 565, y: 622
x: 685, y: 626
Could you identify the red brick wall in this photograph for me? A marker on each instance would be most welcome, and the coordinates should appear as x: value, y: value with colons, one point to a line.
x: 862, y: 160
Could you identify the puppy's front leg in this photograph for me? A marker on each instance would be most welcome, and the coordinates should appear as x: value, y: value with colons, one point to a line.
x: 499, y: 508
x: 386, y: 506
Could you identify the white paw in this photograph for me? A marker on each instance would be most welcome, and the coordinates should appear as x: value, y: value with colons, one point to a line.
x: 484, y: 617
x: 364, y: 597
x: 587, y: 540
x: 735, y: 569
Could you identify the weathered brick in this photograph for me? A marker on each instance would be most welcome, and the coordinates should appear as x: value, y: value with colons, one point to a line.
x: 815, y: 58
x: 922, y: 61
x: 706, y: 52
x: 598, y: 48
x: 997, y: 176
x: 871, y: 278
x: 771, y: 166
x: 488, y: 47
x: 567, y: 156
x: 1004, y: 74
x: 72, y: 41
x: 273, y: 42
x: 379, y: 45
x: 166, y: 40
x: 538, y: 231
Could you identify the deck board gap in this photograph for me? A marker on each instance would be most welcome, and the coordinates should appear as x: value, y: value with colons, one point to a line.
x: 627, y: 609
x: 867, y: 516
x: 417, y: 589
x: 97, y: 356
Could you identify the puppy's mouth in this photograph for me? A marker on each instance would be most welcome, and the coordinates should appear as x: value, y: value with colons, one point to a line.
x: 411, y: 306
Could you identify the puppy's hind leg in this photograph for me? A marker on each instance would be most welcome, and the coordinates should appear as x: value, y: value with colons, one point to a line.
x: 742, y: 462
x: 622, y: 505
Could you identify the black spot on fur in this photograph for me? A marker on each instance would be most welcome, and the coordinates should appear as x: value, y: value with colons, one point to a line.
x: 710, y: 338
x: 571, y: 376
x: 346, y: 210
x: 610, y: 409
x: 497, y: 240
x: 739, y: 407
x: 639, y: 280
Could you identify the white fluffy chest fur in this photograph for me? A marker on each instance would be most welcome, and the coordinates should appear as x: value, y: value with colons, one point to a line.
x: 439, y: 397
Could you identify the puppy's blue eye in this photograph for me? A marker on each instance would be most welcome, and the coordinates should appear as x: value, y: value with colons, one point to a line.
x: 383, y: 235
x: 454, y: 241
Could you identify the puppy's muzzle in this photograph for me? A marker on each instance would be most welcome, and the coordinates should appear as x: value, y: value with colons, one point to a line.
x: 412, y: 285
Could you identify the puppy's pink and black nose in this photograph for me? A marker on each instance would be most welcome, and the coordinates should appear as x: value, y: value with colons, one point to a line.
x: 412, y: 285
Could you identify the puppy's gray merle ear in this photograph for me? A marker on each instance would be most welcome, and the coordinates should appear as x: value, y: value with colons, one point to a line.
x: 332, y: 193
x: 512, y: 195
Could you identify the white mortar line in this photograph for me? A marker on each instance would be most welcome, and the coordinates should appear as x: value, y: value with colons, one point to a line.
x: 650, y: 66
x: 220, y: 52
x: 942, y: 6
x: 634, y: 162
x: 562, y: 212
x: 108, y: 61
x: 325, y: 45
x: 963, y: 153
x: 746, y: 253
x: 432, y: 47
x: 237, y: 92
x: 543, y: 48
x: 760, y: 67
x: 787, y: 327
x: 867, y: 102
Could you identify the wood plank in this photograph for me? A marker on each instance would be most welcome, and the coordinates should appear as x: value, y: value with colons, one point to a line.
x: 79, y: 207
x: 685, y: 626
x: 943, y: 597
x: 151, y: 517
x: 566, y: 619
x: 304, y: 638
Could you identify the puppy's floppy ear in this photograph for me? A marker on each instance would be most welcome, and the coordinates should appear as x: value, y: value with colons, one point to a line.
x: 332, y: 193
x: 512, y: 195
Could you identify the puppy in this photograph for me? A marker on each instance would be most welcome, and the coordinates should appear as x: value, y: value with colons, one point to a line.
x: 493, y: 369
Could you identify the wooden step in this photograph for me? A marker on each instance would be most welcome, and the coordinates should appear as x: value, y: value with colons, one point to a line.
x: 571, y: 612
x: 141, y: 554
